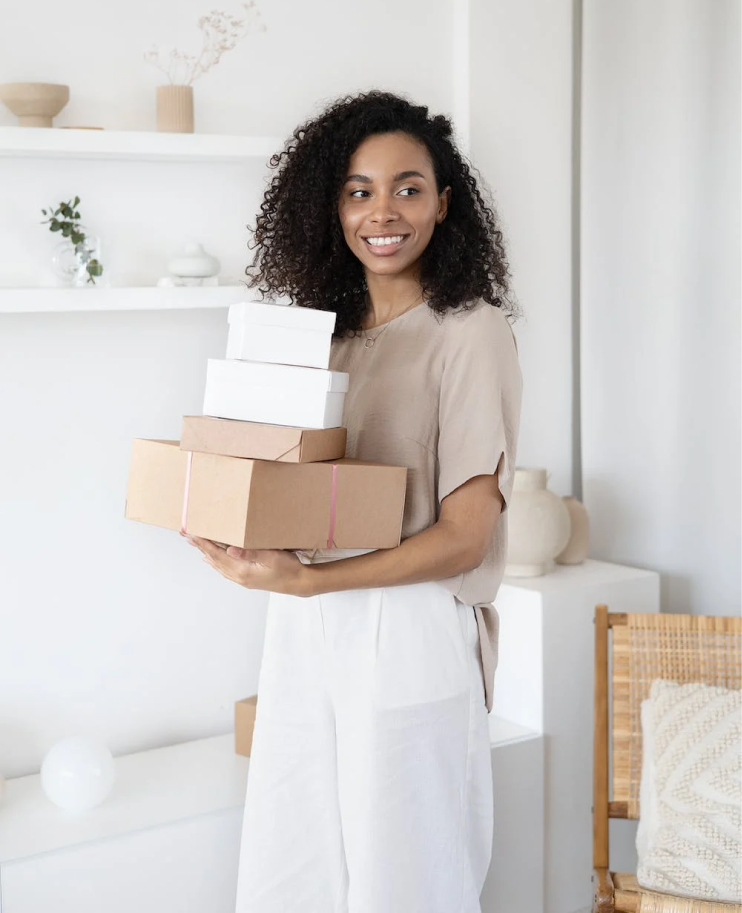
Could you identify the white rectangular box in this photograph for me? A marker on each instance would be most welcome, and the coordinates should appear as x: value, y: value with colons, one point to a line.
x: 279, y: 334
x: 254, y: 391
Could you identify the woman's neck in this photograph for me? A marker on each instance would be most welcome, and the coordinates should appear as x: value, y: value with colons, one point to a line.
x: 381, y: 309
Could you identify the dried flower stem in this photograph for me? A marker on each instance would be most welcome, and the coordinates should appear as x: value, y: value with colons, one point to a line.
x: 221, y: 34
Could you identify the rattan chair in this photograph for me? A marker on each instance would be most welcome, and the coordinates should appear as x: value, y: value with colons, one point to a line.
x: 643, y: 647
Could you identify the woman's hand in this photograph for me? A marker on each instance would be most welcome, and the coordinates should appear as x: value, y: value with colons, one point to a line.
x: 275, y: 570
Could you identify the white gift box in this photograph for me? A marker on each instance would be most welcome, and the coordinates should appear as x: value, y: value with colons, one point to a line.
x: 280, y: 334
x: 254, y: 391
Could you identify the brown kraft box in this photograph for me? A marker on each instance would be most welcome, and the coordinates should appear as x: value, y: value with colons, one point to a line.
x: 244, y: 723
x: 257, y: 441
x: 265, y: 503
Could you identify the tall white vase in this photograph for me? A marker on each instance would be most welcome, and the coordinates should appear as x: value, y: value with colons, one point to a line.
x: 539, y: 525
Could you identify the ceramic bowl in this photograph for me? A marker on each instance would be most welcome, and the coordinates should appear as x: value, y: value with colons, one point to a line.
x: 34, y: 103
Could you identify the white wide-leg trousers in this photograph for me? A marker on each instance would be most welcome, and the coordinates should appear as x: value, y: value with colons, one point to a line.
x: 370, y: 782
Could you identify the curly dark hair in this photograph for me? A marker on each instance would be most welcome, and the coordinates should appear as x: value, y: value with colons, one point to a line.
x: 301, y: 248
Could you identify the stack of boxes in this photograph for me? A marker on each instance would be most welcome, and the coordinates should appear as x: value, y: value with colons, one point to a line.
x: 264, y: 466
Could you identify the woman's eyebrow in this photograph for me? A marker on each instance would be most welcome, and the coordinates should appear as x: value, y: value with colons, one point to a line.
x: 397, y: 177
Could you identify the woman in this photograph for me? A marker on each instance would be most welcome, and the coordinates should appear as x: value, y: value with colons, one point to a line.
x: 370, y: 784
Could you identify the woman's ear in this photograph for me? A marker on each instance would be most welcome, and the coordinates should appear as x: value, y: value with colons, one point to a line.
x: 443, y: 200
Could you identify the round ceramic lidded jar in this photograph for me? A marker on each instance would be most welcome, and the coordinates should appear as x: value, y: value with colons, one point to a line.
x: 539, y: 525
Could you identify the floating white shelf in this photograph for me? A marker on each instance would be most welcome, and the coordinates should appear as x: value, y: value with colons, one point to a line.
x: 144, y: 145
x: 131, y: 298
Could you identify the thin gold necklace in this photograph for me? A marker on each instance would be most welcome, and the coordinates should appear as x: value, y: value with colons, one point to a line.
x: 370, y: 340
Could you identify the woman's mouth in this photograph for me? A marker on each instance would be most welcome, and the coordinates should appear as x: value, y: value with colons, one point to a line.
x: 384, y: 247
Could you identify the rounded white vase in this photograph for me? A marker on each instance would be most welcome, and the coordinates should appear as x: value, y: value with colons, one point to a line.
x: 539, y: 525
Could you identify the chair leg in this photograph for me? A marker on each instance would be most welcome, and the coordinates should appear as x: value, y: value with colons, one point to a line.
x: 603, y: 892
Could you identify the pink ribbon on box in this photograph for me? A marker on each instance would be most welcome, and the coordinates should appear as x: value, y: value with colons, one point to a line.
x: 186, y: 493
x: 333, y: 507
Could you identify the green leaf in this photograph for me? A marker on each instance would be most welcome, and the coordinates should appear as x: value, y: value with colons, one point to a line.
x: 77, y: 200
x: 55, y: 226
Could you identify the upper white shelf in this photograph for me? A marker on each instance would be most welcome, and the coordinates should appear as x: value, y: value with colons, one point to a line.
x: 143, y: 145
x: 143, y: 298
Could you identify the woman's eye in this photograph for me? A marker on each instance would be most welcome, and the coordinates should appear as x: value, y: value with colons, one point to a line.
x: 354, y: 192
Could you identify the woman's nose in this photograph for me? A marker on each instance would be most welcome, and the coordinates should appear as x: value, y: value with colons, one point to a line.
x: 384, y: 208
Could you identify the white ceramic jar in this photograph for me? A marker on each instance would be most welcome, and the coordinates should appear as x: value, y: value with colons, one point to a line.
x: 193, y: 262
x: 539, y: 525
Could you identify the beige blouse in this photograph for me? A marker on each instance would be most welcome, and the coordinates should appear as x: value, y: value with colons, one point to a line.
x: 441, y: 395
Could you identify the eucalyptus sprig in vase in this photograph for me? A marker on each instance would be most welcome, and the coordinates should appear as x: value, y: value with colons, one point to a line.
x: 77, y: 260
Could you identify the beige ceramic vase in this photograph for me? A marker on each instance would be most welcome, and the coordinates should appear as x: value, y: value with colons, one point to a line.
x: 175, y: 109
x: 576, y: 549
x: 538, y: 525
x: 34, y: 103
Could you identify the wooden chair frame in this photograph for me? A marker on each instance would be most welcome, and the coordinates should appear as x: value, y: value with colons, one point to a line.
x: 644, y: 646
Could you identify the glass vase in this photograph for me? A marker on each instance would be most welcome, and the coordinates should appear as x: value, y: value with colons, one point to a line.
x: 80, y: 264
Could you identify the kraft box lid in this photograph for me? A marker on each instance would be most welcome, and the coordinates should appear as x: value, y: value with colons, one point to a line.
x: 260, y: 441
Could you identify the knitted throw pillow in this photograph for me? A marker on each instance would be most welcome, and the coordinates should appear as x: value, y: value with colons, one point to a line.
x: 689, y: 838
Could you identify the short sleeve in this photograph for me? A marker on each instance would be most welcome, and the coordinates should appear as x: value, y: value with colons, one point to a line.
x: 480, y: 401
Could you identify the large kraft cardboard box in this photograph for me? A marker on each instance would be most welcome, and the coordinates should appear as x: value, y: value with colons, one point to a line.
x: 257, y: 441
x: 244, y: 724
x: 266, y: 503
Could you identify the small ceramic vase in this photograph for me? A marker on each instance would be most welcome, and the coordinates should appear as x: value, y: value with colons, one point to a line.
x: 175, y: 109
x: 575, y: 551
x: 538, y: 526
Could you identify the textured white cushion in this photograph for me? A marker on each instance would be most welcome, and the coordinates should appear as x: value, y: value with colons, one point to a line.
x: 689, y: 838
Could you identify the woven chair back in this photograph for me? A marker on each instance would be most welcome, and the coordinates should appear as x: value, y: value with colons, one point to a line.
x: 681, y: 648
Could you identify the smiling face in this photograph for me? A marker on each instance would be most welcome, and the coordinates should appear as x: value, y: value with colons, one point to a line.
x: 389, y: 205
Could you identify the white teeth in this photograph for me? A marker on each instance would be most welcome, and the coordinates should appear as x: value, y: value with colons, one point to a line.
x: 378, y: 242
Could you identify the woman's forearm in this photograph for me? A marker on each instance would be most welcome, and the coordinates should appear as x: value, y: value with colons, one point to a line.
x: 435, y: 553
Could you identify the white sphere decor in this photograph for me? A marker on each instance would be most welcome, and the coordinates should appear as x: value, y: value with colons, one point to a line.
x: 539, y: 525
x: 77, y: 773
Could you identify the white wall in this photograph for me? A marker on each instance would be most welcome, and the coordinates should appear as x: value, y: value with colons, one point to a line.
x: 661, y: 293
x: 110, y: 628
x: 521, y: 141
